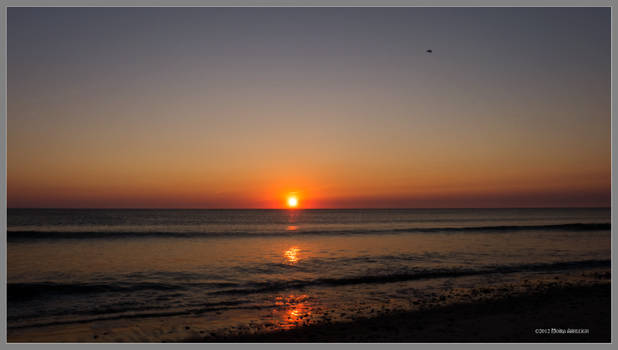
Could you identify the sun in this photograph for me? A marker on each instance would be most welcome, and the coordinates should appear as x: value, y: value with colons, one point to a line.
x: 292, y: 202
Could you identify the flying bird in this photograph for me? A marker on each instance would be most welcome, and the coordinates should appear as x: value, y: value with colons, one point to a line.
x: 429, y: 51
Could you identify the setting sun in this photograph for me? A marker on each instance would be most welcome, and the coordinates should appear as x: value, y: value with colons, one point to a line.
x: 292, y: 202
x: 308, y: 174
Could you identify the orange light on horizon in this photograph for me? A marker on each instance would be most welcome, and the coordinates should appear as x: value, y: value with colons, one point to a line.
x: 292, y: 202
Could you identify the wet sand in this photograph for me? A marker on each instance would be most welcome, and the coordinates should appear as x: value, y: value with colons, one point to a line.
x: 492, y: 312
x: 514, y: 317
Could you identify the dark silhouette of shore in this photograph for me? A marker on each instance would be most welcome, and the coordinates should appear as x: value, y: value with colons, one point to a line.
x: 540, y: 316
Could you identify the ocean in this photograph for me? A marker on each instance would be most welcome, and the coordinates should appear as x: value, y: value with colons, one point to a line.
x: 153, y: 275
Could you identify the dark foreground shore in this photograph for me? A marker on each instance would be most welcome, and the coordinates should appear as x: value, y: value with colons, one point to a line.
x: 567, y: 306
x: 540, y: 316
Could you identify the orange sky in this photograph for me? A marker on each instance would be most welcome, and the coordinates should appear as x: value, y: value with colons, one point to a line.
x: 107, y: 116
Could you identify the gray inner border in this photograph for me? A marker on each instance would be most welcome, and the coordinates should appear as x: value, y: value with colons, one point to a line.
x: 277, y: 3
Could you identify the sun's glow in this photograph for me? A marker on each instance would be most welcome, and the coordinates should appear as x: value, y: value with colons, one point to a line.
x: 292, y: 202
x: 291, y: 255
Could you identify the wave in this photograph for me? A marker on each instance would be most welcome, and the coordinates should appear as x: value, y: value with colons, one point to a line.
x: 22, y: 291
x: 263, y: 287
x: 125, y: 316
x: 26, y: 291
x: 131, y: 309
x: 42, y: 235
x: 16, y: 292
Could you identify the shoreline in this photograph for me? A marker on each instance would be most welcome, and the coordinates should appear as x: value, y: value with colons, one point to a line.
x: 488, y: 312
x: 544, y: 315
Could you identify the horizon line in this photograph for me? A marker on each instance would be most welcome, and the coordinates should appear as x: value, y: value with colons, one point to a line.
x: 296, y: 209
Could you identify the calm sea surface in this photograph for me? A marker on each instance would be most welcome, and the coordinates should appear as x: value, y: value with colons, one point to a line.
x: 226, y: 267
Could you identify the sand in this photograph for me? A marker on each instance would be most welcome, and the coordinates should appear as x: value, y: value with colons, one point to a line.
x: 540, y: 315
x: 492, y: 312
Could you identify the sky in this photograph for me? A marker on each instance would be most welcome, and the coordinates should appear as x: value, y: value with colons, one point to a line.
x: 341, y: 107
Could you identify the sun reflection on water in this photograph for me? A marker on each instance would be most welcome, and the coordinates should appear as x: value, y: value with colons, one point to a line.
x: 291, y: 255
x: 292, y: 220
x: 293, y: 310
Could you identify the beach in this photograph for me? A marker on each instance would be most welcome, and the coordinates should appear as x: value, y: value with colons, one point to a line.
x: 551, y: 312
x: 308, y: 275
x: 308, y: 174
x: 575, y: 308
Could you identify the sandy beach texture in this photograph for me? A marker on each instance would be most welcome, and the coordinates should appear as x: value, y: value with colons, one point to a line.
x: 546, y: 312
x: 566, y: 307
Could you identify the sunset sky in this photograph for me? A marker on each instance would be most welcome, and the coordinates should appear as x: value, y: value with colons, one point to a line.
x: 239, y: 107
